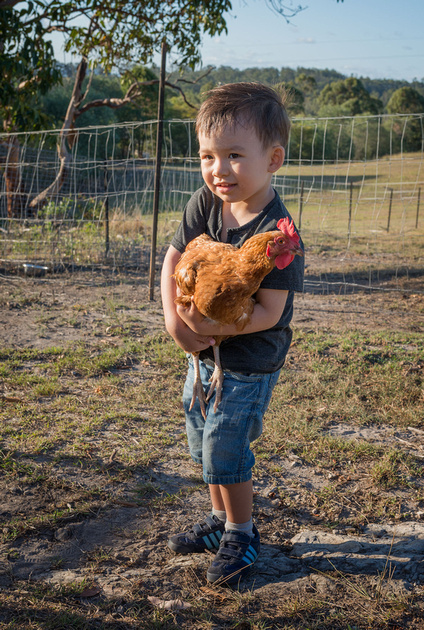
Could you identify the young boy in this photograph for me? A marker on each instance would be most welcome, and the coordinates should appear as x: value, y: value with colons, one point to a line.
x: 242, y: 130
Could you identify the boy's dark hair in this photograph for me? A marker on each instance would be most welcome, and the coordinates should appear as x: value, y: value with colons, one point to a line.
x: 247, y: 104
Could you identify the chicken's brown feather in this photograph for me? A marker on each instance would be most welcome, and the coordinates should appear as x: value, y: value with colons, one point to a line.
x: 221, y: 278
x: 222, y: 281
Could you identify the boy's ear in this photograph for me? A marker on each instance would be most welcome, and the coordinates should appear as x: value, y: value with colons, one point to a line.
x: 277, y: 158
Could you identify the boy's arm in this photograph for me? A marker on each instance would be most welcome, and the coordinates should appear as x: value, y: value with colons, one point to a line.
x: 183, y: 335
x: 267, y: 311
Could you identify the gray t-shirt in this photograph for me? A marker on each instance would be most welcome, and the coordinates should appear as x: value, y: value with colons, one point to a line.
x: 265, y: 351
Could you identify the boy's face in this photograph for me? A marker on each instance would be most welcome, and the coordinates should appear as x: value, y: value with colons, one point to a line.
x: 237, y: 168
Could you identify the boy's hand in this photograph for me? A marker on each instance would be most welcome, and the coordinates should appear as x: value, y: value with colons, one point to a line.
x: 185, y: 336
x: 191, y: 316
x: 191, y: 341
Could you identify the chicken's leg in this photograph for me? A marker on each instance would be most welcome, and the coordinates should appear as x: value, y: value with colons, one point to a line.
x: 217, y: 379
x: 198, y: 391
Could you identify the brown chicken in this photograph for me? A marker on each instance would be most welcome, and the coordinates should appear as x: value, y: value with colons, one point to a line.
x: 221, y: 280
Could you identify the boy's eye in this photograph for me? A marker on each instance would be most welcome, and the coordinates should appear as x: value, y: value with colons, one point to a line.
x: 206, y: 157
x: 234, y: 156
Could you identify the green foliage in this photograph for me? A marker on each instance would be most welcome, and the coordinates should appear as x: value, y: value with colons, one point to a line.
x: 295, y: 99
x: 56, y: 101
x: 369, y: 95
x: 371, y: 139
x: 406, y: 100
x: 136, y: 30
x: 145, y: 105
x: 107, y: 35
x: 27, y: 67
x: 350, y: 97
x: 71, y: 210
x: 306, y: 82
x: 312, y: 141
x: 104, y: 86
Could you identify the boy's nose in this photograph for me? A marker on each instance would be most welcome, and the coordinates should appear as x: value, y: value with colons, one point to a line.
x: 220, y: 168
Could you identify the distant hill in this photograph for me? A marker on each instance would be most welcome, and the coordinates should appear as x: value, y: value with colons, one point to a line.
x: 306, y: 85
x: 381, y: 89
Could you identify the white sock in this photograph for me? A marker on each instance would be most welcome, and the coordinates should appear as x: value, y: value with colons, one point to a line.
x: 245, y: 528
x: 221, y: 514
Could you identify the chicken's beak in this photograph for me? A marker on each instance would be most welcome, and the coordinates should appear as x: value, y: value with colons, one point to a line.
x: 296, y: 250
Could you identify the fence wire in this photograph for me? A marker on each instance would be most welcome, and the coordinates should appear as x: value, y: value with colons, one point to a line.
x: 353, y: 185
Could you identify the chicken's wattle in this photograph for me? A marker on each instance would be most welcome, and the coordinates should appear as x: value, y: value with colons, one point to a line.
x: 283, y: 260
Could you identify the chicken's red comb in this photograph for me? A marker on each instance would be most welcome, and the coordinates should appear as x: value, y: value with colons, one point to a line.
x: 288, y: 228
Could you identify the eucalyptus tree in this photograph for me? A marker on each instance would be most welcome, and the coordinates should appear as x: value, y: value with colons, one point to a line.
x: 111, y: 34
x: 27, y: 69
x: 409, y: 129
x: 350, y: 96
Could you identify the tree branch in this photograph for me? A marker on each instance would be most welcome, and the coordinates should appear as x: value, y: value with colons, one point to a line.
x: 133, y: 92
x: 176, y: 87
x: 8, y: 4
x: 287, y: 12
x: 202, y: 76
x: 113, y: 103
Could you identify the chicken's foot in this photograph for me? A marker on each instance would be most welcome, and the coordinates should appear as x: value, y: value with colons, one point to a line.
x: 216, y: 380
x: 198, y: 391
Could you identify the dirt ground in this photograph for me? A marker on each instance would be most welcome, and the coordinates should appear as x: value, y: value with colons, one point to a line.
x: 59, y: 296
x: 40, y: 312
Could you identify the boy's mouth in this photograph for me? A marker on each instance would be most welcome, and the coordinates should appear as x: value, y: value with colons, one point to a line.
x: 224, y: 187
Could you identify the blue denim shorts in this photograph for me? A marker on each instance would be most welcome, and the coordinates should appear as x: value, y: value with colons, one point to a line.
x: 221, y: 443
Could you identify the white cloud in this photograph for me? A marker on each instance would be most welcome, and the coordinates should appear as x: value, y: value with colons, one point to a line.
x: 306, y: 40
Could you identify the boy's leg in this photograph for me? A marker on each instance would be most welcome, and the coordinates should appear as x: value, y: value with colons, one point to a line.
x: 216, y: 497
x: 227, y: 467
x: 235, y: 499
x: 206, y: 534
x: 222, y: 445
x: 240, y: 544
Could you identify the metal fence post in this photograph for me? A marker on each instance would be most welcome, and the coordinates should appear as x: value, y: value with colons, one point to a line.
x: 418, y: 208
x: 106, y: 205
x: 158, y: 165
x: 349, y: 225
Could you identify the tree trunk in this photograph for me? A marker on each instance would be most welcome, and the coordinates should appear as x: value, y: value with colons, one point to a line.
x: 66, y: 140
x: 15, y: 198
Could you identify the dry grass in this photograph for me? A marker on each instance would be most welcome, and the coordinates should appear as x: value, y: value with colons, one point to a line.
x: 85, y: 426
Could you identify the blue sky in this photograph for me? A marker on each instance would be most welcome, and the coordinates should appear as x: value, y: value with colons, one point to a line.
x: 374, y: 38
x: 380, y: 39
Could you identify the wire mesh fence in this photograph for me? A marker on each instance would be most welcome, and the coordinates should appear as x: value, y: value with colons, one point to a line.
x: 353, y: 185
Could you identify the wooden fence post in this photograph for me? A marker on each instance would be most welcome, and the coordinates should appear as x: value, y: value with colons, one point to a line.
x: 299, y: 227
x: 390, y: 209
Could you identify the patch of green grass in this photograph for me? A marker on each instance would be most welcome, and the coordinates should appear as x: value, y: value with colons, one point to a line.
x: 20, y: 355
x: 47, y: 387
x: 74, y: 407
x: 10, y: 464
x: 393, y: 469
x: 347, y: 381
x: 353, y: 377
